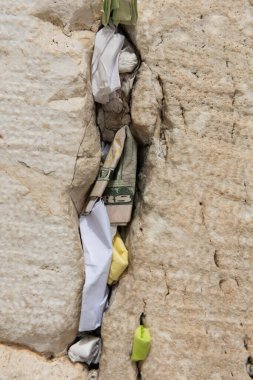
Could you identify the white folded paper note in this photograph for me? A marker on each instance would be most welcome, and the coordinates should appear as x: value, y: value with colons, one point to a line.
x: 97, y: 247
x: 105, y: 63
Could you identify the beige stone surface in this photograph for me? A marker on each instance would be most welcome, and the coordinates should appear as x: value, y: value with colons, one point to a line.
x: 190, y: 242
x: 19, y: 363
x: 74, y: 15
x: 146, y: 114
x: 191, y: 238
x: 49, y: 156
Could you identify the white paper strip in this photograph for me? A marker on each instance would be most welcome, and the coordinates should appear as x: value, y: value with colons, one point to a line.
x: 105, y: 63
x: 97, y: 246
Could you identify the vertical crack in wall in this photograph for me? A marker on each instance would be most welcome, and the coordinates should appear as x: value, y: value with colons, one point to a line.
x: 110, y: 118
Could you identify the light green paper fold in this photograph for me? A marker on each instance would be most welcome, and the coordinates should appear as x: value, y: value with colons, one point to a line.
x: 141, y: 344
x: 121, y: 12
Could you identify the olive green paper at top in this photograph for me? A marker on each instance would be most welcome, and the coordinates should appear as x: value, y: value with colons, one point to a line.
x: 119, y: 193
x: 126, y: 13
x: 106, y: 11
x: 107, y: 7
x: 121, y: 12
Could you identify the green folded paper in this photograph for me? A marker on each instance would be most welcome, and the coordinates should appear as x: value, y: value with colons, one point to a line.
x: 120, y: 11
x: 141, y: 344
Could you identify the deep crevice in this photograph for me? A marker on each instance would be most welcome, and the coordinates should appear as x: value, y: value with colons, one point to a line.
x: 216, y: 259
x: 142, y: 150
x: 249, y: 366
x: 141, y: 158
x: 246, y: 342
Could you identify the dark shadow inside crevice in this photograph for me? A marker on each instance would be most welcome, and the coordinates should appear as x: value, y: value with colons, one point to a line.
x: 249, y: 366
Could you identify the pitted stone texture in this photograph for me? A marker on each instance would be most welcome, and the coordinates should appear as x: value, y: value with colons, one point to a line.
x: 191, y: 238
x: 146, y: 114
x: 69, y: 16
x: 49, y: 149
x: 18, y: 363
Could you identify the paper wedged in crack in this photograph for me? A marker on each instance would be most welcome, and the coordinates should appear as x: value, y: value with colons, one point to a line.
x: 190, y: 243
x: 97, y: 247
x: 105, y: 72
x: 116, y: 113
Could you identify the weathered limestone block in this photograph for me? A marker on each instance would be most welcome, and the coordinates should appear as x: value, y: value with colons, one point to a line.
x: 18, y: 363
x: 191, y: 239
x: 69, y: 16
x: 146, y: 105
x: 49, y: 153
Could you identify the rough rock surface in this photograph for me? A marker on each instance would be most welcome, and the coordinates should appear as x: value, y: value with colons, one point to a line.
x: 21, y: 364
x: 191, y: 238
x: 146, y: 115
x: 49, y: 153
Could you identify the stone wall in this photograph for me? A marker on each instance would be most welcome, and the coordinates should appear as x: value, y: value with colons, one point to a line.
x: 50, y: 154
x: 19, y: 363
x: 191, y: 237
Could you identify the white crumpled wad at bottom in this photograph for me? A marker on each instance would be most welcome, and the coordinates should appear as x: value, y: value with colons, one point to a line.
x: 87, y: 350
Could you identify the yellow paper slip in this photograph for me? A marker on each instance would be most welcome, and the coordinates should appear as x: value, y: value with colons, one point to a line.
x: 119, y: 259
